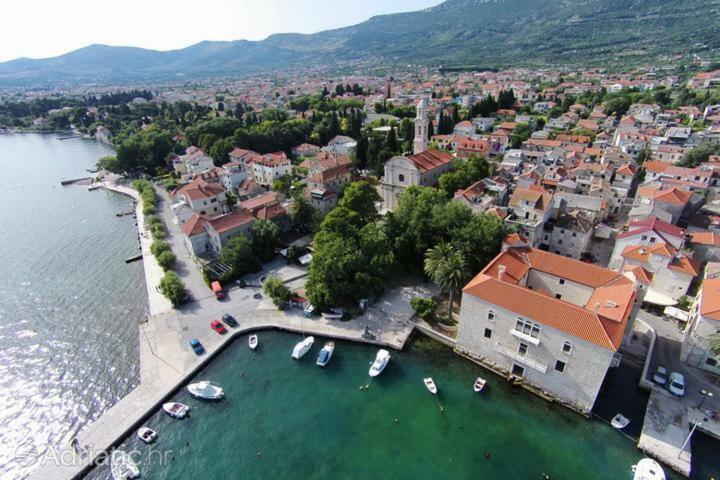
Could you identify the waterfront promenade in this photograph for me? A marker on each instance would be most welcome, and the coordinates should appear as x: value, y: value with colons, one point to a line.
x: 167, y: 362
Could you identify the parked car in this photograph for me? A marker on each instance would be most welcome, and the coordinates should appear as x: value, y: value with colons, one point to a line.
x: 197, y: 346
x: 676, y: 385
x: 660, y: 377
x: 230, y: 320
x: 218, y: 327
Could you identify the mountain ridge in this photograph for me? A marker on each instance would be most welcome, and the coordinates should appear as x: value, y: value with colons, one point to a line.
x: 493, y: 33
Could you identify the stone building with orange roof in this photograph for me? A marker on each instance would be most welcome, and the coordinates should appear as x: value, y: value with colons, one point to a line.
x: 421, y: 169
x: 553, y: 323
x: 703, y: 323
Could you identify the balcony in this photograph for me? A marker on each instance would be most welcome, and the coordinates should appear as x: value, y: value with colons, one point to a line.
x: 521, y: 358
x: 524, y: 337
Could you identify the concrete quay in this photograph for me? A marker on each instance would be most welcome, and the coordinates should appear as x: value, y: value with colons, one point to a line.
x: 664, y: 432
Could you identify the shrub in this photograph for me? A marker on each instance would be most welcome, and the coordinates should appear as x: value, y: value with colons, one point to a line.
x: 424, y: 307
x: 154, y: 220
x: 158, y: 247
x: 276, y: 289
x: 158, y: 234
x: 149, y: 209
x: 173, y: 288
x: 166, y: 260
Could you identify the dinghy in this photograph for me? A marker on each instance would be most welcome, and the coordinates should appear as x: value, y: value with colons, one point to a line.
x: 302, y: 348
x: 206, y: 390
x: 147, y: 435
x: 325, y: 354
x: 253, y: 342
x: 175, y: 409
x: 479, y: 384
x: 122, y: 466
x: 381, y: 360
x: 430, y: 385
x: 619, y: 421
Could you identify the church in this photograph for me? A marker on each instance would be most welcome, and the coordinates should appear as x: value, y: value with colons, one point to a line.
x: 422, y: 168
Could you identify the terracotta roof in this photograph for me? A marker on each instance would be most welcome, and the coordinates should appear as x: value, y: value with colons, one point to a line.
x: 705, y: 238
x: 330, y: 174
x: 640, y: 273
x: 572, y: 319
x: 199, y: 189
x: 672, y: 196
x: 264, y: 200
x: 194, y: 225
x: 241, y: 152
x: 225, y: 223
x: 710, y: 299
x: 430, y: 160
x: 680, y: 262
x: 538, y: 198
x: 654, y: 224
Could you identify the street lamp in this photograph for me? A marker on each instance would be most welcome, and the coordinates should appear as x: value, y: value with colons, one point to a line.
x: 690, y: 435
x: 705, y: 395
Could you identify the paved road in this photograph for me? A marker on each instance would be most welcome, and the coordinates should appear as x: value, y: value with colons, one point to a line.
x: 667, y: 354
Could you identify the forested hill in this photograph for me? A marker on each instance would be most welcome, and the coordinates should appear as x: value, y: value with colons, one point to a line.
x: 482, y: 33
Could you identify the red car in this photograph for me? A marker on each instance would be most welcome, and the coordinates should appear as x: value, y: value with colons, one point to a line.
x: 218, y: 327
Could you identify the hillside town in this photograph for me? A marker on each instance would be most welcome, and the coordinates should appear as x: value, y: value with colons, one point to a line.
x: 595, y: 198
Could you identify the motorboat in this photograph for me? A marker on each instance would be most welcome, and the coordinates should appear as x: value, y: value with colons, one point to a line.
x: 325, y: 354
x: 648, y: 469
x: 381, y: 360
x: 147, y: 435
x: 430, y: 385
x: 479, y: 384
x: 333, y: 314
x: 619, y: 421
x: 308, y: 310
x: 175, y: 409
x: 253, y: 342
x: 122, y: 466
x: 302, y: 347
x: 206, y: 390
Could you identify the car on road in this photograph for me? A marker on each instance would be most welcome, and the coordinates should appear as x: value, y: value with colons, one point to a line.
x: 218, y: 327
x: 676, y: 384
x: 660, y: 377
x: 230, y: 320
x: 197, y: 346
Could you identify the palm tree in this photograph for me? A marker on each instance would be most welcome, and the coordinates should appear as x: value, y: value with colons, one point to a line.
x: 447, y: 268
x: 715, y: 343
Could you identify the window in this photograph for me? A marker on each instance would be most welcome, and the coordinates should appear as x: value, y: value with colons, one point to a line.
x: 567, y: 347
x: 652, y: 239
x: 522, y: 349
x: 560, y: 242
x: 711, y: 362
x: 574, y: 234
x: 527, y: 328
x: 558, y: 296
x: 644, y: 237
x: 488, y: 333
x: 491, y: 315
x: 213, y: 200
x: 517, y: 370
x: 562, y: 281
x: 560, y: 366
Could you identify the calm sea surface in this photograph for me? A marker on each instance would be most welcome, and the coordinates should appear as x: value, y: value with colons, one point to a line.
x: 69, y: 304
x: 287, y: 419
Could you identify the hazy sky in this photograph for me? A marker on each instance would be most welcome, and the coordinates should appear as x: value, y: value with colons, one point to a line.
x: 45, y: 28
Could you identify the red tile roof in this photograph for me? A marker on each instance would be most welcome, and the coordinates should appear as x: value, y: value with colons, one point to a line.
x: 195, y: 225
x: 710, y: 298
x: 430, y: 160
x: 651, y: 224
x: 225, y: 223
x: 199, y: 189
x: 267, y: 199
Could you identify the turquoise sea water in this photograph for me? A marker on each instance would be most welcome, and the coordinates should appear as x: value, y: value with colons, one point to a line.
x: 286, y: 419
x: 69, y: 304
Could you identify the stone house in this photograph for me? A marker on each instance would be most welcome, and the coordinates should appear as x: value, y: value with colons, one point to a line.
x: 420, y: 169
x: 704, y: 321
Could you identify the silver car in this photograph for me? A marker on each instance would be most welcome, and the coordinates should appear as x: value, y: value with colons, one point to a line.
x: 677, y: 384
x: 660, y: 377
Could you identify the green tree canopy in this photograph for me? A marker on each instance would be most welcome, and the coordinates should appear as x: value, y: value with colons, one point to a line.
x: 173, y: 288
x: 360, y: 197
x: 276, y: 289
x: 464, y: 174
x: 265, y: 239
x: 238, y: 254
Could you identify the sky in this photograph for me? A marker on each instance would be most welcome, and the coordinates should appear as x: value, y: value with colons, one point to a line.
x: 46, y: 28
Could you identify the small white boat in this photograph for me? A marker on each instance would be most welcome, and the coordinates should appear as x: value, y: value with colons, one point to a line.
x: 147, y: 435
x: 430, y: 385
x: 381, y: 360
x: 333, y: 314
x: 175, y: 409
x: 619, y: 421
x: 325, y: 354
x: 479, y: 384
x: 648, y: 469
x: 302, y: 348
x: 206, y: 390
x: 122, y: 466
x: 253, y: 342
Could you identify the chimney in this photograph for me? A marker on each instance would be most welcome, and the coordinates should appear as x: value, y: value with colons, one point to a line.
x: 501, y: 271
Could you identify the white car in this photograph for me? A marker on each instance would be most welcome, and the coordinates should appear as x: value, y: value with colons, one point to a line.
x: 660, y: 377
x: 676, y: 385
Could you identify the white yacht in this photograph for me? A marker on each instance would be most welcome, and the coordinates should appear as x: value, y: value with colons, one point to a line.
x: 175, y: 409
x: 325, y: 354
x: 648, y: 469
x: 430, y: 385
x: 206, y: 390
x: 122, y: 466
x: 381, y: 360
x: 302, y: 347
x: 253, y: 342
